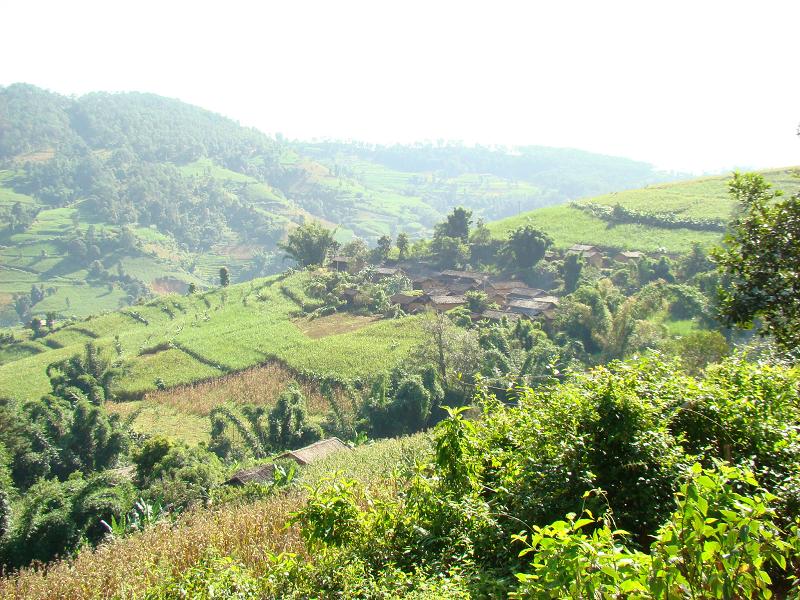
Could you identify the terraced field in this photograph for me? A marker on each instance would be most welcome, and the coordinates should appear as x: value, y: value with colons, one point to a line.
x: 182, y: 340
x: 705, y: 198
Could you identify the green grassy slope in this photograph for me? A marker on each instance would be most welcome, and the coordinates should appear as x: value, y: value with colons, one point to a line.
x: 705, y: 198
x: 188, y: 339
x: 184, y: 178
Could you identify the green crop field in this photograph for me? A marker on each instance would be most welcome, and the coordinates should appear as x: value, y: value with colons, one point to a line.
x: 179, y: 340
x: 568, y: 225
x: 700, y: 198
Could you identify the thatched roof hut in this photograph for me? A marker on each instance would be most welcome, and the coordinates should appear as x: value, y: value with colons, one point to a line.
x: 259, y: 474
x: 316, y: 451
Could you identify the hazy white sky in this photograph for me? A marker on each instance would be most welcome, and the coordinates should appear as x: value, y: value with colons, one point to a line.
x: 699, y: 85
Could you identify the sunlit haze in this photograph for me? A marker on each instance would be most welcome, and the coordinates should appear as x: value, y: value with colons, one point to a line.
x: 699, y: 86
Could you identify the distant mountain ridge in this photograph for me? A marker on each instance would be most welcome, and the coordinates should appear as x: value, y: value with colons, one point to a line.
x: 106, y: 196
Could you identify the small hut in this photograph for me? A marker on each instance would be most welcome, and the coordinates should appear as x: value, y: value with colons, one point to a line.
x: 314, y: 452
x: 259, y: 474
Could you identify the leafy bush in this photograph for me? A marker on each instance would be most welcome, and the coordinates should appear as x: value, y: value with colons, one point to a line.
x: 720, y: 542
x: 212, y: 578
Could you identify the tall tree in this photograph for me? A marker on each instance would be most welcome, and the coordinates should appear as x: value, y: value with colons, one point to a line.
x: 308, y: 244
x: 760, y: 260
x: 224, y: 277
x: 573, y: 265
x: 456, y: 225
x: 383, y: 249
x: 402, y: 245
x: 527, y: 246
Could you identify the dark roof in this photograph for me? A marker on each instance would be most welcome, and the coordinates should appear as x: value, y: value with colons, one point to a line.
x: 526, y: 292
x: 505, y: 285
x: 538, y: 304
x: 353, y: 292
x: 315, y: 451
x: 448, y: 299
x: 387, y: 270
x: 455, y: 287
x: 474, y: 275
x: 526, y: 304
x: 547, y: 300
x: 497, y: 315
x: 582, y: 248
x: 403, y: 299
x: 259, y: 474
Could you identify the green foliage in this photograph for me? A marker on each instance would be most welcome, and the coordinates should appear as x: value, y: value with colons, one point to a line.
x: 699, y: 349
x: 148, y: 454
x: 571, y: 271
x: 224, y: 277
x: 62, y: 432
x: 54, y: 517
x: 761, y: 260
x: 449, y: 252
x: 308, y: 244
x: 88, y: 376
x: 403, y: 404
x: 720, y: 542
x: 619, y: 427
x: 580, y: 558
x: 456, y: 225
x: 212, y: 578
x: 331, y: 515
x: 183, y: 477
x: 402, y: 245
x: 527, y: 246
x: 477, y: 301
x: 288, y: 421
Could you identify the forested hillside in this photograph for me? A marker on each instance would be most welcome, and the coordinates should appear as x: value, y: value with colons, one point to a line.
x: 107, y: 198
x: 568, y: 402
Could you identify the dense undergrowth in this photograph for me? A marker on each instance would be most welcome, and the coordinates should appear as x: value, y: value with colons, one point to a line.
x: 629, y: 481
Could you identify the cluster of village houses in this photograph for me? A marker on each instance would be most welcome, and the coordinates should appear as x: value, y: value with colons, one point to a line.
x: 442, y: 291
x: 445, y: 290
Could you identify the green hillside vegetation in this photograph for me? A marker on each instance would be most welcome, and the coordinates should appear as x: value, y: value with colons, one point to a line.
x: 182, y: 340
x: 620, y: 425
x: 177, y: 192
x: 581, y: 423
x: 129, y: 563
x: 593, y: 484
x: 705, y: 199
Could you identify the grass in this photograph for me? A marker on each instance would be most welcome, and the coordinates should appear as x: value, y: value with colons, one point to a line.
x: 156, y: 419
x: 125, y: 568
x: 332, y: 324
x: 182, y: 412
x: 567, y: 226
x: 8, y: 195
x: 207, y: 338
x: 205, y: 167
x: 699, y: 198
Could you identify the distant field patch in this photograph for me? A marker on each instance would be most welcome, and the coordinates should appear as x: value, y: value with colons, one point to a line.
x: 332, y: 324
x: 169, y: 285
x: 705, y: 198
x: 156, y: 419
x: 259, y: 386
x: 35, y: 156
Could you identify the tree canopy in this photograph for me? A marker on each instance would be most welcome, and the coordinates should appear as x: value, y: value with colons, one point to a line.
x: 760, y: 260
x: 308, y: 244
